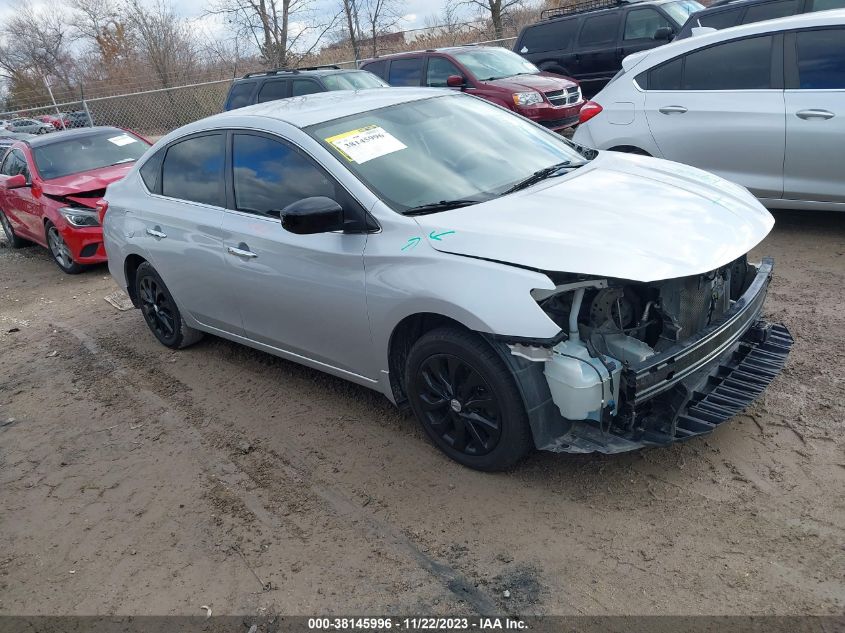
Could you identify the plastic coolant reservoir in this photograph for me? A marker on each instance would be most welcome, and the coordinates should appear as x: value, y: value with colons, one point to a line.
x: 577, y: 383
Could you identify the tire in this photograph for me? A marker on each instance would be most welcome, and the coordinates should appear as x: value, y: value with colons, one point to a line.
x: 466, y: 400
x: 60, y: 251
x: 11, y: 237
x: 160, y: 310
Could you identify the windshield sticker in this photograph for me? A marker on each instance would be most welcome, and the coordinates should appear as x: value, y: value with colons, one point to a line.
x: 123, y: 139
x: 366, y: 143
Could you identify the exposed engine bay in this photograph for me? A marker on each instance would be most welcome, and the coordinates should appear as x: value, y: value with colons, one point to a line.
x: 648, y: 363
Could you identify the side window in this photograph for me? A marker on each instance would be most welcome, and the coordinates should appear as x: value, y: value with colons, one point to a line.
x: 439, y: 70
x: 749, y: 61
x: 151, y: 172
x: 240, y: 95
x: 377, y: 68
x: 667, y: 76
x: 193, y: 170
x: 272, y: 90
x: 405, y: 71
x: 305, y: 87
x: 600, y: 29
x: 15, y: 164
x: 770, y: 11
x: 270, y: 174
x: 821, y: 59
x: 720, y: 19
x: 554, y: 36
x: 824, y: 5
x: 642, y: 23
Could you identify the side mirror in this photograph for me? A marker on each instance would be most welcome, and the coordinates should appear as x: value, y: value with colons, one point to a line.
x: 312, y: 215
x: 663, y: 33
x: 14, y: 182
x: 455, y: 81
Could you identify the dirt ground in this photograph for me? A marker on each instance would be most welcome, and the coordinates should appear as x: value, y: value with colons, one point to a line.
x: 136, y: 480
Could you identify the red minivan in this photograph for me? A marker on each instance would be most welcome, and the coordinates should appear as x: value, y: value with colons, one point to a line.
x: 495, y: 74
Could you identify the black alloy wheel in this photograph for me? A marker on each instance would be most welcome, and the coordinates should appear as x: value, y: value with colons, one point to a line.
x: 160, y: 310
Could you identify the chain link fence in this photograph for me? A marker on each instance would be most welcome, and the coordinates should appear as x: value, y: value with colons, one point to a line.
x: 154, y: 113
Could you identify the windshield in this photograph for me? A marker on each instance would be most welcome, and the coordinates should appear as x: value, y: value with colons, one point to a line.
x: 84, y: 153
x: 446, y: 148
x: 357, y: 80
x: 494, y: 63
x: 681, y: 10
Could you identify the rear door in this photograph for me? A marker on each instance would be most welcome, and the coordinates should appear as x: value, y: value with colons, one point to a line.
x: 814, y: 168
x: 721, y: 108
x: 301, y: 294
x: 304, y: 86
x: 182, y: 229
x: 596, y: 54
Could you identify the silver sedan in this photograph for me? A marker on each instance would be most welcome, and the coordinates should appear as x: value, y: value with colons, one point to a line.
x: 463, y: 261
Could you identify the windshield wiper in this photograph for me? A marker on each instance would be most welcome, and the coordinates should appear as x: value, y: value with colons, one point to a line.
x: 443, y: 205
x: 537, y: 176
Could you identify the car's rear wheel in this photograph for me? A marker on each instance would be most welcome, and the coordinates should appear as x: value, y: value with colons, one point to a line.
x: 466, y: 400
x: 60, y: 251
x: 11, y: 237
x: 160, y: 310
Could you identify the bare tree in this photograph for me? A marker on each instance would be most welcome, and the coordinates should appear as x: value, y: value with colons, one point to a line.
x: 36, y: 43
x: 381, y: 16
x: 496, y: 10
x: 164, y: 39
x: 281, y: 29
x: 101, y: 23
x: 352, y: 25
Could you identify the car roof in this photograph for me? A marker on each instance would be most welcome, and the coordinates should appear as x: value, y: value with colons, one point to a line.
x: 65, y: 135
x: 318, y: 72
x: 448, y: 50
x: 671, y: 50
x: 315, y: 108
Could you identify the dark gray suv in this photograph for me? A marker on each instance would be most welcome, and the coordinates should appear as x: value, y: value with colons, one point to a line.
x: 269, y: 85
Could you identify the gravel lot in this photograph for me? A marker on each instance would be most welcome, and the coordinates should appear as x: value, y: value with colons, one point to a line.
x: 136, y: 480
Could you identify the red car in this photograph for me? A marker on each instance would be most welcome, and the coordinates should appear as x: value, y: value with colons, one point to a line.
x: 54, y: 120
x: 495, y: 74
x: 50, y: 186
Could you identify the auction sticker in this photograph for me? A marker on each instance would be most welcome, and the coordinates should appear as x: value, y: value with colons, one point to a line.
x: 366, y: 143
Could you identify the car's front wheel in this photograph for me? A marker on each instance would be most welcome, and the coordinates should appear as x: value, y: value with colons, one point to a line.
x: 11, y: 237
x: 61, y: 251
x: 466, y: 400
x: 160, y: 310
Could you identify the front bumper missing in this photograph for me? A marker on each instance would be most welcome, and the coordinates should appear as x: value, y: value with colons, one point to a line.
x: 676, y: 395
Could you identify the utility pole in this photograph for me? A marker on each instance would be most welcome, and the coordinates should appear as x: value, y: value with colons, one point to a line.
x: 53, y: 99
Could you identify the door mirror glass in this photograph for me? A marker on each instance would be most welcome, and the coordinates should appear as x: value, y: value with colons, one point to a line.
x: 455, y: 81
x: 312, y: 215
x: 15, y: 182
x: 663, y: 33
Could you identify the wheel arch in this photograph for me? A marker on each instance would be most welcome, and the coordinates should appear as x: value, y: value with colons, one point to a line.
x: 130, y: 269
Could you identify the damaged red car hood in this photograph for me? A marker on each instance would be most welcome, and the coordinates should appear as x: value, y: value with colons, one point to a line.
x: 86, y: 181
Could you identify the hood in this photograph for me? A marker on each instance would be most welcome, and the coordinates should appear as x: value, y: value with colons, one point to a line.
x: 543, y: 82
x: 621, y: 216
x: 86, y: 181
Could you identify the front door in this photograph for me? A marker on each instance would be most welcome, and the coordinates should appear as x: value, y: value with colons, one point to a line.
x: 183, y: 235
x: 815, y: 116
x: 596, y: 61
x: 300, y: 294
x: 720, y: 108
x: 20, y: 206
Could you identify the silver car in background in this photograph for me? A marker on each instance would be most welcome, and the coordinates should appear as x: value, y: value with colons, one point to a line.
x: 762, y: 105
x: 461, y: 260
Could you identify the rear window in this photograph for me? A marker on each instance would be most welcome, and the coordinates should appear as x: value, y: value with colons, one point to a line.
x: 719, y: 20
x: 552, y: 36
x: 739, y: 65
x: 240, y: 94
x: 406, y: 72
x: 357, y: 80
x: 92, y: 151
x: 377, y: 68
x: 273, y: 90
x: 600, y: 29
x: 193, y: 170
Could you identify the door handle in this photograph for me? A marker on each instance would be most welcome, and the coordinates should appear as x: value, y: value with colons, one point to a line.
x: 672, y: 110
x: 157, y: 233
x: 241, y: 252
x: 814, y: 114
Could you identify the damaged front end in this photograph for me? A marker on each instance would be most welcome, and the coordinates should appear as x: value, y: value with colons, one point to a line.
x: 647, y: 363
